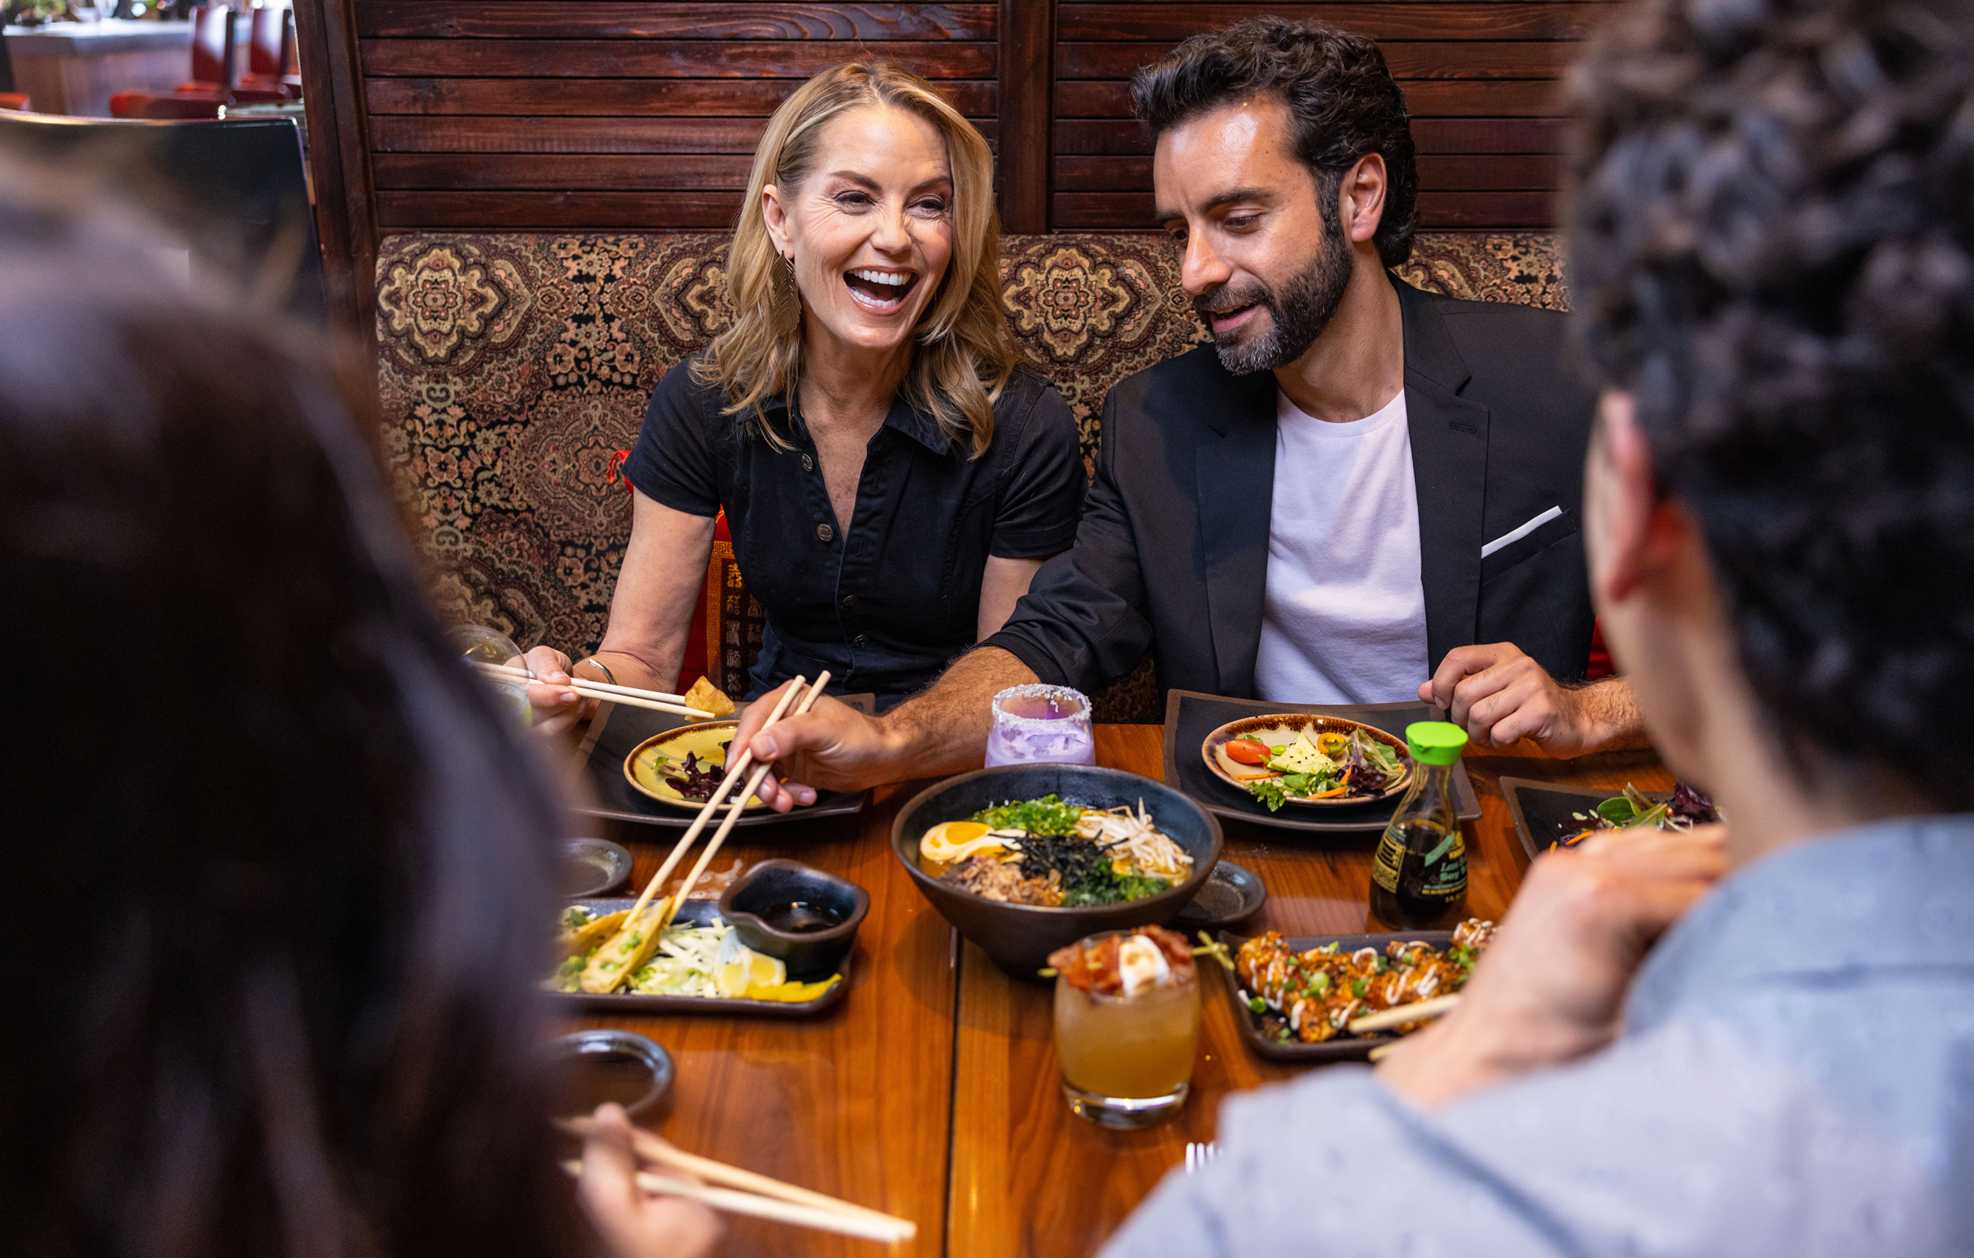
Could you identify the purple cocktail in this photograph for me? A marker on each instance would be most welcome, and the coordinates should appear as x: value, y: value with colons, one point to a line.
x: 1041, y: 724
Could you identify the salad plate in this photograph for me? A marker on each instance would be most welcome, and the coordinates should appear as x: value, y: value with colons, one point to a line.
x: 1307, y: 759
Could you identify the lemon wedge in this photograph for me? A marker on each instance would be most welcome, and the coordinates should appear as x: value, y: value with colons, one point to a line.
x: 738, y: 969
x: 794, y: 993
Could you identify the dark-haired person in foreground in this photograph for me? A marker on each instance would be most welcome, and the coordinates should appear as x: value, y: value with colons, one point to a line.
x: 1774, y: 245
x: 282, y: 875
x: 1359, y: 493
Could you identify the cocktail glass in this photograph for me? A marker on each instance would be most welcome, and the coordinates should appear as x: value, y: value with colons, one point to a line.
x: 1127, y: 1061
x: 1041, y: 724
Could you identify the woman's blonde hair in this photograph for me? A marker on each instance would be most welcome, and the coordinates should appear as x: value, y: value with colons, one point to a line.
x: 964, y: 353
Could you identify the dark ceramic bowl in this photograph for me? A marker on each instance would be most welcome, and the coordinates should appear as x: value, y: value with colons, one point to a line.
x: 1020, y: 937
x: 592, y: 1067
x: 756, y: 899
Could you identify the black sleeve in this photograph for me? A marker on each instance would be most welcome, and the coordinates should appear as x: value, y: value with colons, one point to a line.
x: 674, y: 461
x: 1083, y: 621
x: 1044, y: 487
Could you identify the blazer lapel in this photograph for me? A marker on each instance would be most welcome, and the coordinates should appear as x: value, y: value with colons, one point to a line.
x: 1234, y: 469
x: 1449, y: 469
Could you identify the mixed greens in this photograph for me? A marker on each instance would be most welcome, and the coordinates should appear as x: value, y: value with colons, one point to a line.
x: 1332, y: 765
x: 1631, y: 809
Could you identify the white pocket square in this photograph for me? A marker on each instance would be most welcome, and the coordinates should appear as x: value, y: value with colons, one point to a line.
x: 1520, y: 531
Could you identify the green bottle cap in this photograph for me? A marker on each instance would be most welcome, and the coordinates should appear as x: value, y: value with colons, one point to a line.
x: 1435, y: 742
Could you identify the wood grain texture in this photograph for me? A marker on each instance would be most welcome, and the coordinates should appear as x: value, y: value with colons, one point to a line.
x: 630, y: 58
x: 619, y: 98
x: 451, y: 210
x: 1026, y: 73
x: 496, y: 171
x: 1424, y: 98
x: 338, y: 153
x: 413, y: 133
x: 1469, y: 59
x: 1030, y: 1178
x: 857, y: 1103
x: 1421, y: 21
x: 520, y: 19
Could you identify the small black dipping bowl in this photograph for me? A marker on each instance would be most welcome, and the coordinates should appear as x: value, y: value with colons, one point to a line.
x: 760, y: 899
x: 1020, y: 937
x: 596, y: 1066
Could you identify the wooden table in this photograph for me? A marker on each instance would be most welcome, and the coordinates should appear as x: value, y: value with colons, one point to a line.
x: 932, y: 1092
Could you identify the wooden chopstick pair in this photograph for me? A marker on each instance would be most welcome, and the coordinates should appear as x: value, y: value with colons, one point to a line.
x: 736, y: 767
x: 629, y: 696
x: 1399, y: 1015
x: 747, y: 1192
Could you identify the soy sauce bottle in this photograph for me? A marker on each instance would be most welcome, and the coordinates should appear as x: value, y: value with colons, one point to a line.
x: 1419, y: 876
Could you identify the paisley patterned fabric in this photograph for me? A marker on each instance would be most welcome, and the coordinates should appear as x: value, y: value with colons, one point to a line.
x: 512, y: 365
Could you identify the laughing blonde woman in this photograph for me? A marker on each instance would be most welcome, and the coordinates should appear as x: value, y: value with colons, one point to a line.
x: 891, y: 479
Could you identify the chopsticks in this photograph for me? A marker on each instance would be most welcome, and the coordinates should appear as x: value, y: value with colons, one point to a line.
x: 739, y: 803
x: 749, y: 1192
x: 738, y: 766
x: 630, y: 697
x: 1399, y: 1015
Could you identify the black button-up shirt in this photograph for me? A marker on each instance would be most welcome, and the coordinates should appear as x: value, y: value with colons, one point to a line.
x: 886, y: 603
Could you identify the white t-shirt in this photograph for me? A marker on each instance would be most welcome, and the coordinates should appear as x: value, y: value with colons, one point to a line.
x: 1344, y: 617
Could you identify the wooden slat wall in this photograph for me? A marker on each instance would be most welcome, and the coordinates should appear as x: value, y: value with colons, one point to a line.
x: 519, y: 114
x: 1480, y: 79
x: 613, y: 114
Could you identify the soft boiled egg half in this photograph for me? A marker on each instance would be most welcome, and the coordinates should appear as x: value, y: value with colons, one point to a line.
x: 952, y: 841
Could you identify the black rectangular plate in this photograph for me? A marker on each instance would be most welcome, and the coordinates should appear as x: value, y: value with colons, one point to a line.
x: 1541, y: 809
x: 1344, y: 1048
x: 610, y: 795
x: 696, y: 912
x: 1190, y: 716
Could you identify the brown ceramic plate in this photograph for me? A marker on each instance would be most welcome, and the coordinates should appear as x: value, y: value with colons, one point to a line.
x: 643, y: 767
x: 1277, y: 727
x: 696, y: 912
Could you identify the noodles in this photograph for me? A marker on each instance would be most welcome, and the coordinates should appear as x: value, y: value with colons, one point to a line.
x: 1054, y: 854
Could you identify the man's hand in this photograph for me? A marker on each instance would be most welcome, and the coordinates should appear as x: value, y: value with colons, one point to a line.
x: 1551, y: 986
x: 833, y: 746
x: 1500, y: 696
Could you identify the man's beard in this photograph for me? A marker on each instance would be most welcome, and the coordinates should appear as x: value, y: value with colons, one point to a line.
x: 1297, y: 316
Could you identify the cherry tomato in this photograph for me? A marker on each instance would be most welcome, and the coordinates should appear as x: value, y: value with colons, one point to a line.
x: 1248, y: 751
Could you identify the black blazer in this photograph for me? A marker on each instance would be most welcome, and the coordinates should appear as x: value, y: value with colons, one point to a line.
x: 1172, y: 551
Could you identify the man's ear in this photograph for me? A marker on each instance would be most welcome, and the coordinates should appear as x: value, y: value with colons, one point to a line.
x: 1622, y: 499
x: 1361, y: 198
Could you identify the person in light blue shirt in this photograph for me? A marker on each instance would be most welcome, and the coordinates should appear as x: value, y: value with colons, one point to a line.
x: 1757, y: 1040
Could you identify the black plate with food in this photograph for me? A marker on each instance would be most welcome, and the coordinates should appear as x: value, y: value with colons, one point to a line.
x: 1547, y: 815
x: 696, y: 956
x: 620, y: 730
x: 1230, y: 895
x: 1025, y: 858
x: 1347, y: 977
x: 1192, y: 719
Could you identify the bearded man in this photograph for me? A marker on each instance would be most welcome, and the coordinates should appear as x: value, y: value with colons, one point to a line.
x: 1359, y: 493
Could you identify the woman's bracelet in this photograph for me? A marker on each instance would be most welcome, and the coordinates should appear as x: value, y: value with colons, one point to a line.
x: 591, y: 659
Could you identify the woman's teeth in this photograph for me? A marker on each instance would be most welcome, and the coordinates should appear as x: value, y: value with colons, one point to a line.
x: 880, y: 291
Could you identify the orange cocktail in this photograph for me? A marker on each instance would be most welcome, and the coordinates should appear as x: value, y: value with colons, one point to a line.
x: 1127, y: 1025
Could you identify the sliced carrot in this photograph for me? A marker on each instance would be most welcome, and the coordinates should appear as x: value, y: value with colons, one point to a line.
x: 1332, y: 793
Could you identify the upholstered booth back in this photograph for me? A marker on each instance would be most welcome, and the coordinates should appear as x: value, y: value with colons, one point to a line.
x: 514, y: 365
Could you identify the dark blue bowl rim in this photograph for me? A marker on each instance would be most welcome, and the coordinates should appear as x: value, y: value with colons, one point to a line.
x: 1202, y: 866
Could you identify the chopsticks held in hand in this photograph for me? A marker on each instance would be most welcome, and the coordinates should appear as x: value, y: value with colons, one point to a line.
x: 1399, y: 1015
x: 629, y: 696
x: 747, y: 1192
x: 634, y: 940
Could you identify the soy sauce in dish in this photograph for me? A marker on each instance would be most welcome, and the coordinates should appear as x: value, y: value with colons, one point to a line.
x: 587, y: 1080
x: 799, y: 917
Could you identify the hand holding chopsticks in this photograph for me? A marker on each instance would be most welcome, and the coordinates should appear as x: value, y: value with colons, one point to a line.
x: 731, y: 1189
x: 629, y: 696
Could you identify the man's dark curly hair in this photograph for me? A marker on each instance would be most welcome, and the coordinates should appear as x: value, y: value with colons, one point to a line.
x: 1772, y: 249
x: 1337, y: 87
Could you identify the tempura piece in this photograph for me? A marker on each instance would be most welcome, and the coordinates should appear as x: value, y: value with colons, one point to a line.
x: 707, y: 697
x: 611, y: 966
x: 575, y: 941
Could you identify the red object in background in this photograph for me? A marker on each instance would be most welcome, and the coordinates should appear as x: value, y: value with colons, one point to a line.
x: 1601, y: 665
x: 211, y: 84
x: 265, y: 79
x: 692, y: 664
x: 168, y: 105
x: 14, y: 100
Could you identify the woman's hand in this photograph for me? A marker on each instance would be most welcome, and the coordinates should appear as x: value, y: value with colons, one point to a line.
x: 557, y: 708
x: 1551, y: 986
x: 632, y: 1223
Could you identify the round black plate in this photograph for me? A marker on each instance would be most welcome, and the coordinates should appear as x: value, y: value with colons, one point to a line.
x: 592, y: 867
x: 1232, y: 893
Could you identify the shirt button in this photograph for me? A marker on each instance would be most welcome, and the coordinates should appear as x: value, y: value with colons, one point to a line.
x: 849, y: 602
x: 860, y: 641
x: 808, y: 464
x: 824, y: 533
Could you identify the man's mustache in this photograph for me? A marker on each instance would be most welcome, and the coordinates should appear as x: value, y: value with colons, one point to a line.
x: 1224, y: 300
